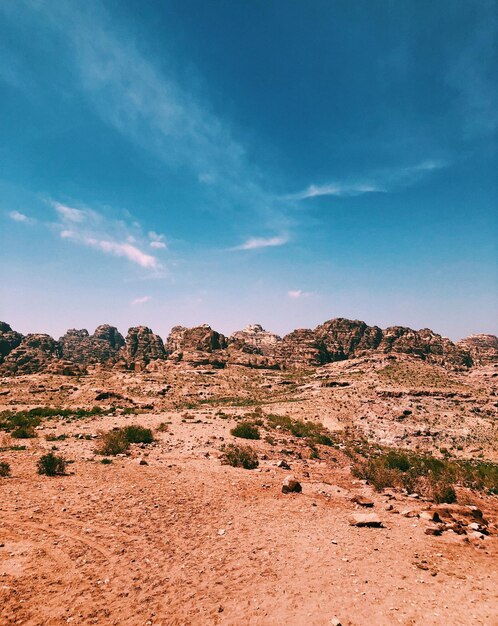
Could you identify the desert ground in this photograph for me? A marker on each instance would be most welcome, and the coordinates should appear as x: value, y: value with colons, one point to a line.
x: 166, y: 533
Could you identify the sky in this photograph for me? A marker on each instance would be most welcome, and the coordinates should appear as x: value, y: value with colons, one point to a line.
x: 272, y: 161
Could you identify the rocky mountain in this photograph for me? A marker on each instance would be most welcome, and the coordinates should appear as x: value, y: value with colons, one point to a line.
x: 9, y: 339
x: 142, y: 347
x: 102, y: 347
x: 482, y: 348
x: 255, y: 336
x: 335, y: 340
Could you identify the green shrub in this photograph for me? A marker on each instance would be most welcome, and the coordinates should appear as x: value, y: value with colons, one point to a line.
x: 106, y: 461
x: 313, y: 432
x: 51, y: 465
x: 138, y: 434
x: 239, y: 456
x: 245, y: 430
x: 4, y: 469
x: 23, y: 432
x: 112, y: 443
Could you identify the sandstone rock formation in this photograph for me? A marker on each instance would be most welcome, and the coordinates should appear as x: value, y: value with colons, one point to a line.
x: 142, y: 347
x: 35, y: 353
x: 483, y: 348
x: 344, y: 338
x: 301, y: 348
x: 255, y: 336
x: 9, y: 339
x: 425, y: 344
x: 197, y: 339
x: 101, y: 347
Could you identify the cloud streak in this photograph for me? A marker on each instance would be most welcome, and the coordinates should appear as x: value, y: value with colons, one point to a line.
x: 142, y: 300
x: 112, y: 237
x: 255, y: 243
x: 20, y: 217
x: 384, y: 181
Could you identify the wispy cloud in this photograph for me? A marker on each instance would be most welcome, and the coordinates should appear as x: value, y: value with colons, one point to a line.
x: 114, y: 237
x: 253, y: 243
x: 20, y: 217
x: 382, y: 181
x: 142, y: 300
x: 296, y: 294
x: 157, y: 241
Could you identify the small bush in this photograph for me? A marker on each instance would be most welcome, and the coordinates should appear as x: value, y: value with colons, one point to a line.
x: 245, y: 430
x: 51, y: 465
x: 314, y: 432
x: 23, y: 432
x: 163, y: 427
x: 112, y: 443
x: 4, y: 469
x: 239, y: 456
x: 106, y: 461
x: 138, y: 434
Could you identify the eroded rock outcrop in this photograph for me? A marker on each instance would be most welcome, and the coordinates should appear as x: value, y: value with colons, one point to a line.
x: 142, y: 347
x: 425, y: 344
x: 102, y: 347
x: 9, y: 339
x: 343, y: 338
x: 482, y: 348
x: 36, y: 353
x: 254, y: 338
x: 197, y: 339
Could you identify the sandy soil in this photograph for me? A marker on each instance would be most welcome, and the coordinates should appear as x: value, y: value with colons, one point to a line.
x: 187, y: 540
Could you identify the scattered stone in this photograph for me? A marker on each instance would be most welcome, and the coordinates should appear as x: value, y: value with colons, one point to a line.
x: 370, y: 520
x: 434, y: 531
x: 283, y: 465
x: 291, y: 485
x: 362, y: 501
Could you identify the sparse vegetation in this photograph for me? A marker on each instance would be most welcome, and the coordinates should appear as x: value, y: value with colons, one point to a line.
x: 138, y: 434
x: 51, y: 465
x: 245, y: 430
x: 4, y: 469
x: 432, y: 477
x: 112, y: 443
x: 163, y: 427
x: 314, y: 432
x: 239, y: 456
x: 106, y: 461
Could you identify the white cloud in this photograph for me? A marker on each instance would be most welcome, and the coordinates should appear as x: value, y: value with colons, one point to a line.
x: 114, y: 237
x: 20, y: 217
x: 295, y: 294
x: 254, y: 243
x: 157, y: 241
x: 69, y: 213
x: 382, y: 181
x: 142, y: 300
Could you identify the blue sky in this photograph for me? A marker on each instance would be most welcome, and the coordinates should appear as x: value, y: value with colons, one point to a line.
x: 281, y: 162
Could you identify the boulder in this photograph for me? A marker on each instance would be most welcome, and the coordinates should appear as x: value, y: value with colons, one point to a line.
x: 371, y: 520
x: 291, y: 485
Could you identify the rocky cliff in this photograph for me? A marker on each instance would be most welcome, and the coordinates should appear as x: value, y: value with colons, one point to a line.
x: 482, y: 348
x: 334, y: 340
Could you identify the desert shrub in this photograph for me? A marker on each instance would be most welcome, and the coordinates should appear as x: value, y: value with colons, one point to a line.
x: 23, y: 432
x: 51, y: 465
x: 112, y: 443
x: 313, y: 432
x: 239, y: 456
x: 245, y: 430
x: 163, y: 427
x: 106, y: 461
x: 138, y: 434
x: 4, y: 469
x: 53, y: 437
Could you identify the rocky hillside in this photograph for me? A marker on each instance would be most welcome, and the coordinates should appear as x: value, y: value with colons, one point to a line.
x: 335, y: 340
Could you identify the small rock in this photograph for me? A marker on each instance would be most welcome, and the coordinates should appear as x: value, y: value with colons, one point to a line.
x: 431, y: 516
x: 335, y: 622
x: 365, y: 519
x: 362, y: 501
x: 291, y: 485
x: 142, y: 461
x: 435, y: 531
x: 283, y: 464
x: 409, y: 513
